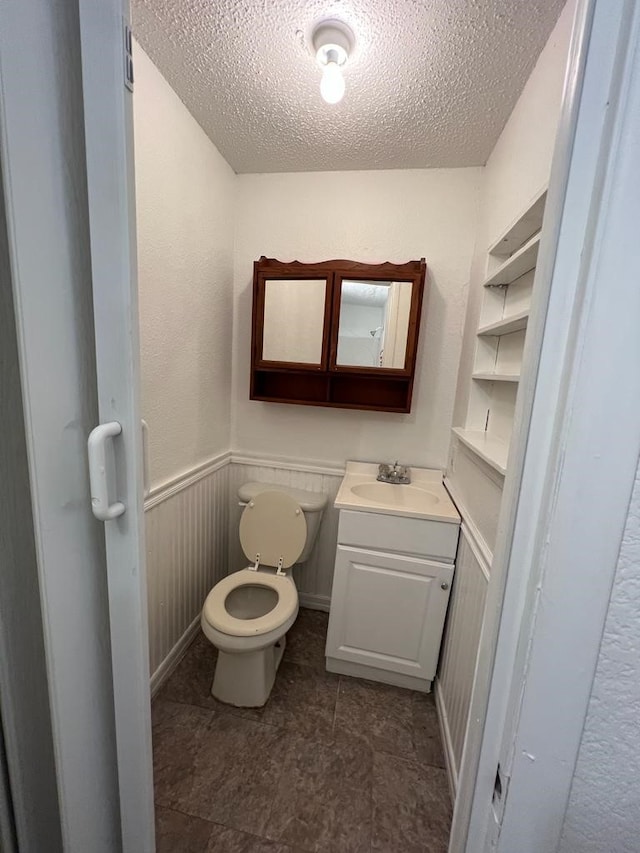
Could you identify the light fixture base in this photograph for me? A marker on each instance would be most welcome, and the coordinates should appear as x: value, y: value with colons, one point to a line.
x: 332, y: 41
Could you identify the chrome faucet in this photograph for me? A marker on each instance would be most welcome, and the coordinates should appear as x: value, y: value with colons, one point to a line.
x: 398, y: 474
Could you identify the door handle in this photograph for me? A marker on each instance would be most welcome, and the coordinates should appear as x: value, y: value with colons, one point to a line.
x: 96, y: 446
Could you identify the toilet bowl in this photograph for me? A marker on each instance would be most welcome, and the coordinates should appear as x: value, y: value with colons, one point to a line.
x: 247, y: 614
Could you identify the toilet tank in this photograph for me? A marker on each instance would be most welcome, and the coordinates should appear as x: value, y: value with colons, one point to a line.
x: 311, y: 503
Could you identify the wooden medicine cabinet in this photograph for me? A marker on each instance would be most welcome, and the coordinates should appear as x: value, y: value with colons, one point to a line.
x: 336, y: 333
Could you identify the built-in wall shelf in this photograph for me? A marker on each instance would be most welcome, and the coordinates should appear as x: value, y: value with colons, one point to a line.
x: 521, y: 262
x: 497, y: 377
x: 511, y: 261
x: 506, y: 326
x: 494, y: 451
x: 524, y: 227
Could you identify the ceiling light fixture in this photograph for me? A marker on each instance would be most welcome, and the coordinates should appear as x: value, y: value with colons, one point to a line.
x: 332, y: 42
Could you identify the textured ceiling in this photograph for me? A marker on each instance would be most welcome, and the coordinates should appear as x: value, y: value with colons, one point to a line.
x: 430, y: 82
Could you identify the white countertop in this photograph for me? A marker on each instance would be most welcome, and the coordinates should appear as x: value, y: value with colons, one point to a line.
x: 425, y: 497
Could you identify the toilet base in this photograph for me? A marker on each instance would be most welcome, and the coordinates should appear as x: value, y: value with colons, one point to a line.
x: 245, y: 680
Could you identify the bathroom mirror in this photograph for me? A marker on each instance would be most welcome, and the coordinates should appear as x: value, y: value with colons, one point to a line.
x: 293, y: 327
x: 336, y: 333
x: 373, y: 325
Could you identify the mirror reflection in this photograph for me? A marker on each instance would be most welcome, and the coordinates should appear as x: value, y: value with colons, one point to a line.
x: 293, y: 320
x: 374, y: 323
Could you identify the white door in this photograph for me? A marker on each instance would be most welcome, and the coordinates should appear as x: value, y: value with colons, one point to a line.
x: 107, y: 89
x: 92, y: 789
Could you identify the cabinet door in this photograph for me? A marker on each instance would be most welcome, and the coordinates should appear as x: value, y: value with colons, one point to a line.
x: 388, y: 610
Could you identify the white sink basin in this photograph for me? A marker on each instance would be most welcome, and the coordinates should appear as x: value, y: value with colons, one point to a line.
x: 395, y: 495
x: 425, y: 497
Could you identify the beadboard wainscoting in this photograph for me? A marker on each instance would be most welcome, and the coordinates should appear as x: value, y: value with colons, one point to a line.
x: 462, y: 635
x: 187, y: 524
x: 313, y: 578
x: 476, y: 489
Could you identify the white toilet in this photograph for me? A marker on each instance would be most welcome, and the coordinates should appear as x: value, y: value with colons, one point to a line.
x: 247, y: 614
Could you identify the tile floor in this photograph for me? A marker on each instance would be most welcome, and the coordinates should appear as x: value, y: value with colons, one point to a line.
x: 330, y: 764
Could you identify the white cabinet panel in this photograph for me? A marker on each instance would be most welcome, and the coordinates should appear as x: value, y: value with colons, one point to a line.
x: 388, y: 611
x: 435, y: 539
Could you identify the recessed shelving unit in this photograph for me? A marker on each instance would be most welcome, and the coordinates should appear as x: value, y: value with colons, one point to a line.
x: 511, y: 262
x: 506, y: 326
x: 517, y: 265
x: 522, y: 229
x: 493, y: 450
x: 497, y: 377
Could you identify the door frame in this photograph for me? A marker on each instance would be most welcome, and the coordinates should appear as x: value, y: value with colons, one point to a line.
x: 543, y: 624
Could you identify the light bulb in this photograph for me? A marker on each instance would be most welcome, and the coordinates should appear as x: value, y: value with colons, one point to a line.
x: 332, y: 83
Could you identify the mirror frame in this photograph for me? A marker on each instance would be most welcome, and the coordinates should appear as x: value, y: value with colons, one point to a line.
x: 412, y: 330
x: 329, y: 384
x: 267, y: 273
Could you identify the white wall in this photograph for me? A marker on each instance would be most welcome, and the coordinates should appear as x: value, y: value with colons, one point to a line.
x: 185, y: 195
x: 185, y: 213
x: 603, y: 808
x: 371, y: 217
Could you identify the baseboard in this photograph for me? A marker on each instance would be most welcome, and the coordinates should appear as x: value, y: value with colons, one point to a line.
x: 174, y: 657
x: 314, y: 602
x: 449, y: 757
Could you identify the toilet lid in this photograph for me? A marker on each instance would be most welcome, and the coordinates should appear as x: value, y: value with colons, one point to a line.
x: 274, y: 526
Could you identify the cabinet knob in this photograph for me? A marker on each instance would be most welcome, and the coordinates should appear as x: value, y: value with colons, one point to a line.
x: 444, y: 585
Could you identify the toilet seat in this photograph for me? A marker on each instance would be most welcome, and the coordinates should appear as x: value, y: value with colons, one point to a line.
x: 273, y: 530
x: 217, y: 615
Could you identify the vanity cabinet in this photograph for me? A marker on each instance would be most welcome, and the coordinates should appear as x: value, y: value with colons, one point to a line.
x: 391, y: 587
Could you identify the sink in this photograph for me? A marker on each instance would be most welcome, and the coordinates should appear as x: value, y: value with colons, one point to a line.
x: 425, y: 497
x: 395, y: 495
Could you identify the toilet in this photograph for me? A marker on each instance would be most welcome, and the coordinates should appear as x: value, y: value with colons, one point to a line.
x: 247, y: 614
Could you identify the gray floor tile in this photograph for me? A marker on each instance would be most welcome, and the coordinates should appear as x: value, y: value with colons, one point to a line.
x: 303, y: 699
x: 323, y: 802
x: 178, y: 731
x: 411, y: 807
x: 380, y: 714
x: 426, y: 730
x: 228, y: 773
x: 225, y: 840
x: 307, y: 639
x: 179, y: 833
x: 190, y: 682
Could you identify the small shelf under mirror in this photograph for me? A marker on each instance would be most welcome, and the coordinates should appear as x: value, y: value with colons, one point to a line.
x: 336, y: 333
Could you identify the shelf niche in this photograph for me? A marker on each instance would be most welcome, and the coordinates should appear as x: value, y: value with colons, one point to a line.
x: 508, y: 286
